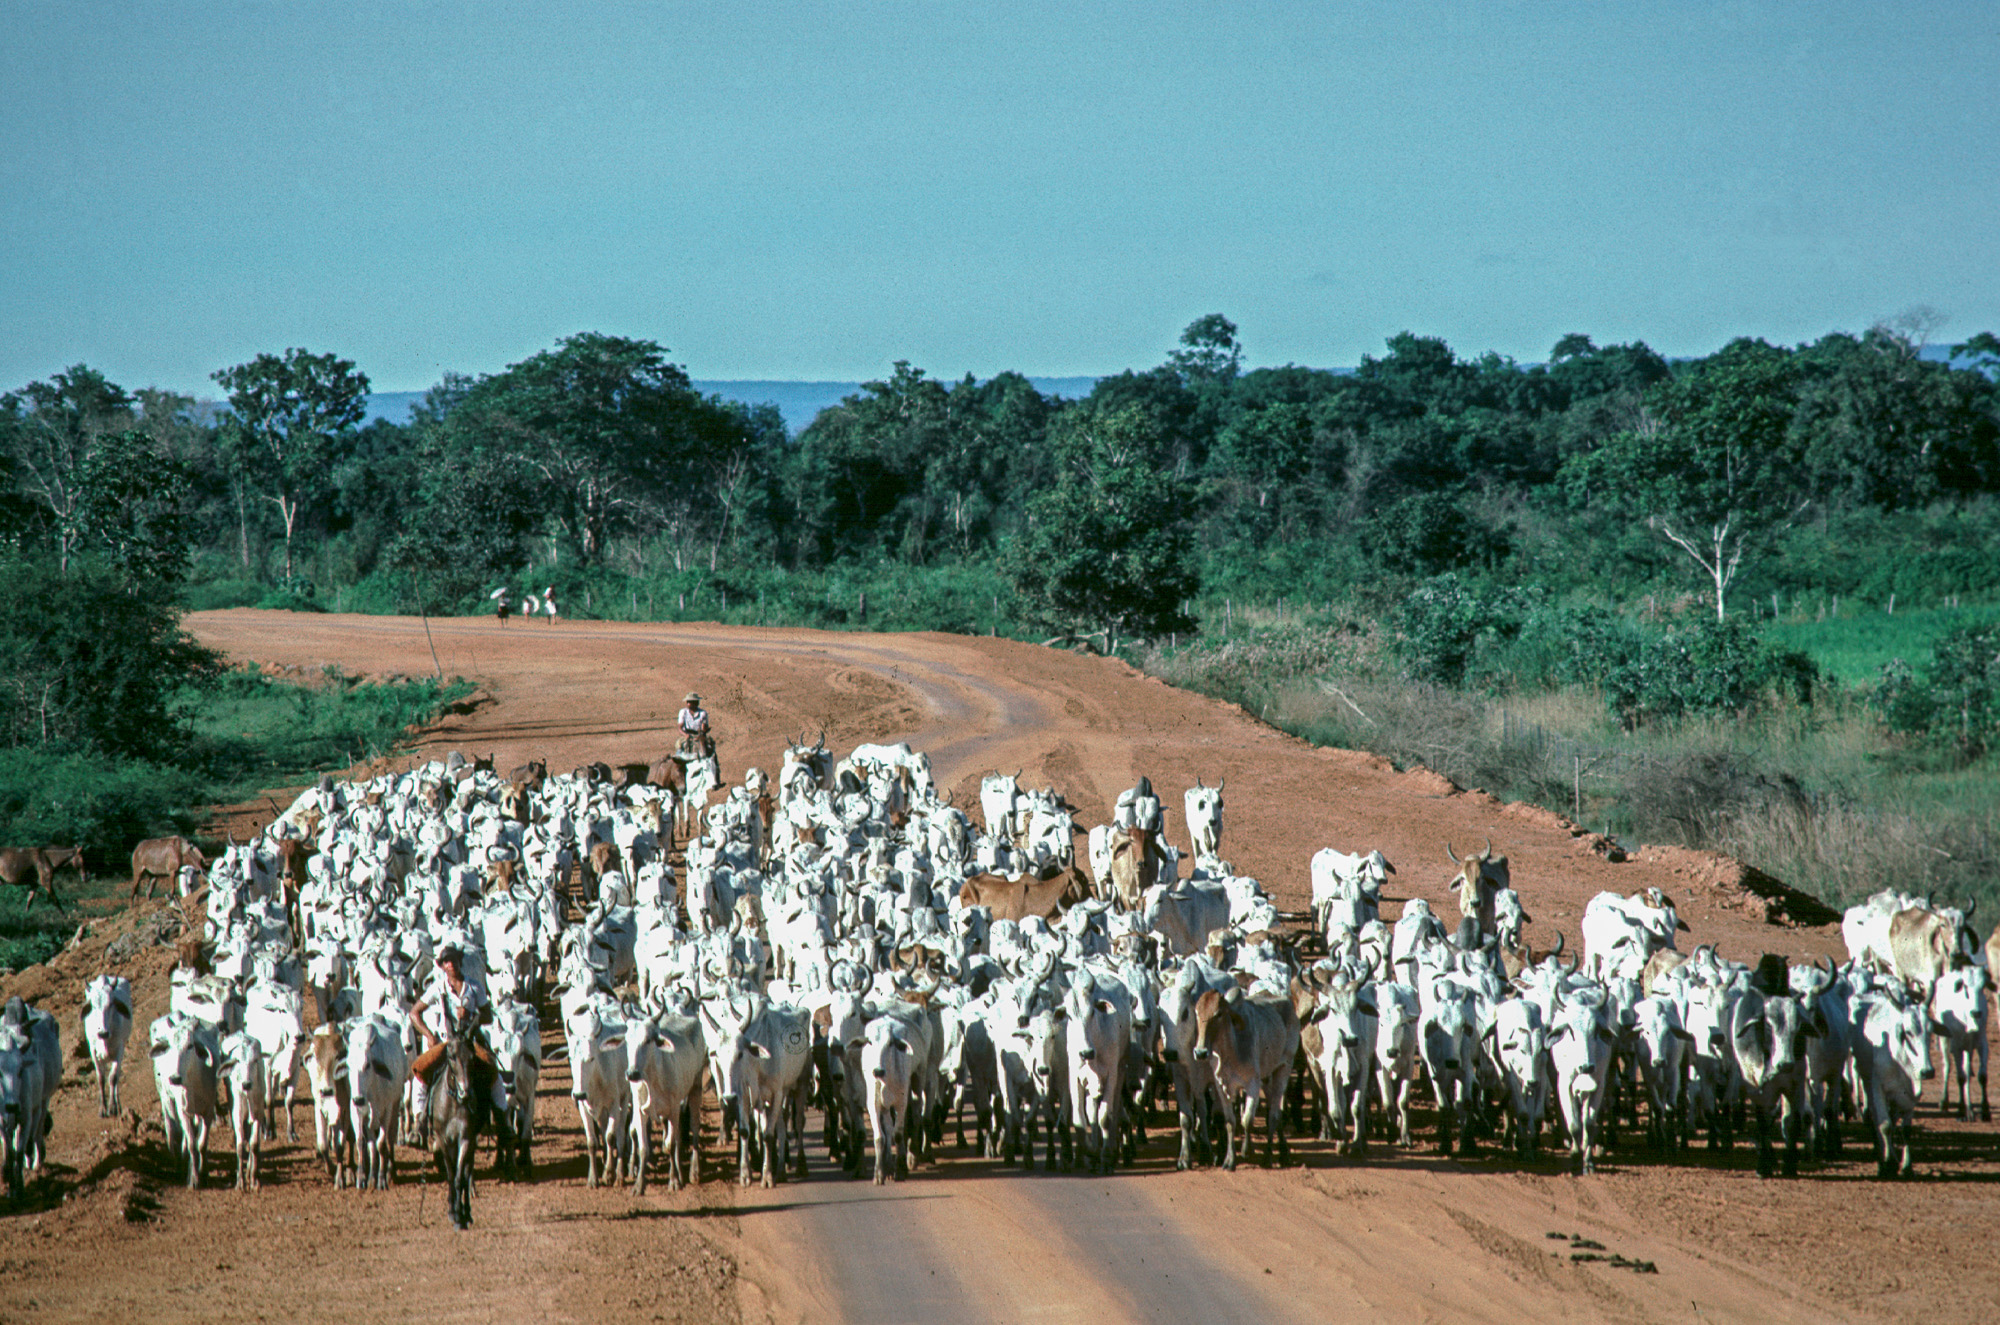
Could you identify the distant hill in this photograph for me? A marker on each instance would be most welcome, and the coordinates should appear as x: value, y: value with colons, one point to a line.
x: 798, y: 402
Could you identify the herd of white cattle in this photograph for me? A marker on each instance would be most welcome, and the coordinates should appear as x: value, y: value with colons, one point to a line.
x: 847, y: 937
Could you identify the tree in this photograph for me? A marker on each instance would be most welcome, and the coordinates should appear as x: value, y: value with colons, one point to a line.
x: 1880, y: 425
x: 1209, y: 353
x: 51, y: 429
x: 1107, y: 549
x: 614, y: 436
x: 289, y: 415
x: 1711, y: 466
x: 90, y: 662
x: 131, y: 504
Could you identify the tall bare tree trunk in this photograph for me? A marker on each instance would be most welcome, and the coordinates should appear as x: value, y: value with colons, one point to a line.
x: 242, y: 524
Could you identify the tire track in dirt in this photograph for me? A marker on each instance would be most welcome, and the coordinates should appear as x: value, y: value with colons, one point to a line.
x: 1397, y: 1236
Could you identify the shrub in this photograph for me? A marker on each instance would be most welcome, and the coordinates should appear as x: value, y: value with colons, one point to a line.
x: 1439, y: 626
x: 88, y: 662
x: 1705, y: 668
x: 1956, y: 701
x: 1432, y: 532
x: 104, y: 805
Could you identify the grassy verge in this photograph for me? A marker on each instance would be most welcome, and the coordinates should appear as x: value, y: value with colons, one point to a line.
x: 1819, y: 797
x: 247, y: 732
x: 1854, y: 648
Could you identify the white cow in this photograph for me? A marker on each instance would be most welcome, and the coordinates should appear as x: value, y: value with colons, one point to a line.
x: 666, y: 1057
x: 1958, y: 1010
x: 886, y: 1063
x: 1203, y: 806
x: 1620, y: 933
x: 1336, y: 874
x: 999, y: 801
x: 1580, y: 1045
x: 597, y: 1062
x: 243, y: 1069
x: 186, y: 1057
x: 107, y: 1024
x: 377, y: 1070
x: 1098, y: 1035
x: 516, y: 1040
x: 1893, y: 1051
x: 274, y: 1015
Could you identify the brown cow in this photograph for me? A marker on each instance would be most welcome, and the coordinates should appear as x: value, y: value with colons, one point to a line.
x: 292, y: 853
x: 514, y: 801
x: 16, y: 862
x: 669, y: 773
x: 1135, y: 867
x: 1479, y: 878
x: 602, y: 859
x: 162, y: 858
x: 1659, y: 966
x: 1017, y: 899
x: 1923, y: 946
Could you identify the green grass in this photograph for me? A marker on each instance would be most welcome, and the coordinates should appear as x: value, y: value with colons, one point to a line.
x: 1818, y: 796
x: 1853, y: 648
x: 249, y: 727
x: 29, y: 935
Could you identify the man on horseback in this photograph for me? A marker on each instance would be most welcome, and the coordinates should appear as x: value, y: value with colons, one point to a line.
x: 695, y: 737
x: 450, y: 1001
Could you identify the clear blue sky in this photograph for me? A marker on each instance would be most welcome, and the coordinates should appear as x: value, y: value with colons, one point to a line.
x: 814, y: 191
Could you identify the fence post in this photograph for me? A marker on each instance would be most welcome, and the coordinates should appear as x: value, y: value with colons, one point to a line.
x: 1577, y: 787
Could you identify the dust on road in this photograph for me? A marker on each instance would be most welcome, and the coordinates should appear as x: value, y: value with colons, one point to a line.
x: 1395, y: 1235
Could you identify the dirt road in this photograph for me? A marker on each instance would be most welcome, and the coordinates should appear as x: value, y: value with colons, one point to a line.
x: 1396, y: 1235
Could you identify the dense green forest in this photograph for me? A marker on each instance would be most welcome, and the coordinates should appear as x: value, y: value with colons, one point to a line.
x: 1650, y: 535
x: 1763, y: 480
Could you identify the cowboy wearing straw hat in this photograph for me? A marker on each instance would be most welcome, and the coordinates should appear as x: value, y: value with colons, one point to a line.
x: 695, y: 736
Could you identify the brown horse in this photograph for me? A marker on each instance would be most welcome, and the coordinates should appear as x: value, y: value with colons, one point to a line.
x: 162, y: 858
x: 16, y: 862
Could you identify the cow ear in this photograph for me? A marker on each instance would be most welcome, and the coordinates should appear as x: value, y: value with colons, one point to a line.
x: 1680, y: 1034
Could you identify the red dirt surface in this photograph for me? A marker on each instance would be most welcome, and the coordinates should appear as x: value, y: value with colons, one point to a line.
x: 1395, y: 1235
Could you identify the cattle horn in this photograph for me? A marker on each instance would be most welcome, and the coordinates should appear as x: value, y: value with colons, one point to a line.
x: 1971, y: 905
x: 1489, y: 849
x: 1453, y: 854
x: 1557, y: 951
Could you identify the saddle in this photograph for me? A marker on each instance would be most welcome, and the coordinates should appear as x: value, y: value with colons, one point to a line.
x: 699, y: 744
